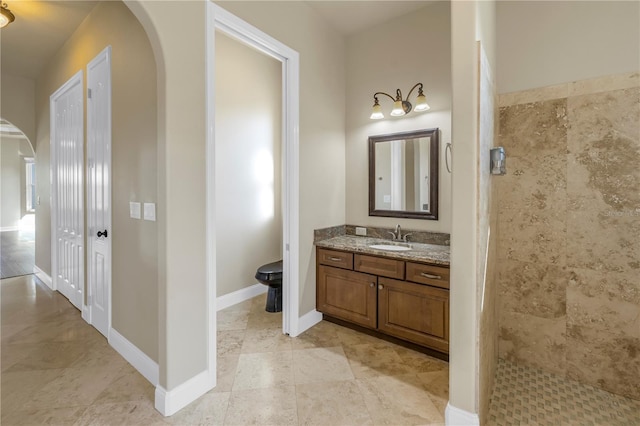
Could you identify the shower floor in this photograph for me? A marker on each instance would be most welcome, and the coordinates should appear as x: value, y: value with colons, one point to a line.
x: 527, y: 396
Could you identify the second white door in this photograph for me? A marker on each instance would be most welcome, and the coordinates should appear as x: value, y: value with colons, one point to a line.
x: 99, y: 190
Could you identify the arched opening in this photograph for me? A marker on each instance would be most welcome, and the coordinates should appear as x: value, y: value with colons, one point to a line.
x: 19, y: 200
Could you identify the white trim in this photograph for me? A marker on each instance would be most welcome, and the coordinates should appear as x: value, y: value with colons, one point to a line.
x: 43, y: 276
x: 170, y: 402
x: 241, y: 295
x: 456, y: 417
x: 9, y: 228
x: 307, y: 321
x: 134, y: 356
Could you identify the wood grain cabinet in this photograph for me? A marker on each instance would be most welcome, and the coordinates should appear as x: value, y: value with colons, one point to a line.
x: 407, y: 300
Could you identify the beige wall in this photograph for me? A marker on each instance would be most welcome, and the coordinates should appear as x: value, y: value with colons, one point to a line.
x: 541, y: 43
x: 134, y: 169
x: 12, y: 168
x: 398, y: 54
x: 568, y: 246
x: 17, y: 103
x: 248, y: 173
x: 322, y: 119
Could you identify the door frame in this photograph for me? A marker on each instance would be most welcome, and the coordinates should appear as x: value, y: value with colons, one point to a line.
x: 75, y: 79
x: 87, y: 311
x: 234, y: 27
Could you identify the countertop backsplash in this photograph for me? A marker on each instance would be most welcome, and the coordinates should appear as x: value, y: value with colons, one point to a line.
x: 422, y: 237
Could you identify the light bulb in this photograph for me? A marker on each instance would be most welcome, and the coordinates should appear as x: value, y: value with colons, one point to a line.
x: 421, y: 103
x: 376, y: 113
x: 397, y: 110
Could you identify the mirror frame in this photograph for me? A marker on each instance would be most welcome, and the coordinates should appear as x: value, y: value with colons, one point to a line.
x: 434, y: 157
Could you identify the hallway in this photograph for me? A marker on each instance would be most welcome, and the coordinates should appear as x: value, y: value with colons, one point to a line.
x: 17, y: 253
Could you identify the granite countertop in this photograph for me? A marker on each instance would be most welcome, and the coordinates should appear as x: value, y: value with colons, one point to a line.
x: 427, y: 253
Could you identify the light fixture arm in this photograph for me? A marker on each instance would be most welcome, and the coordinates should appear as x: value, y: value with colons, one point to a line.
x: 413, y: 88
x: 401, y: 106
x: 375, y: 96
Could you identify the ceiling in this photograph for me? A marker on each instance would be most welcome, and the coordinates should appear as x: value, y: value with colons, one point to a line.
x: 42, y: 27
x: 39, y: 31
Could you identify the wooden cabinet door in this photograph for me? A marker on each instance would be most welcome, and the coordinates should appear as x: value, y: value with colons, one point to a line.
x: 414, y: 312
x: 347, y: 295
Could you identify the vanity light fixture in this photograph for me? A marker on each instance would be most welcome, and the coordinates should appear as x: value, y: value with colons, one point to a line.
x: 400, y: 106
x: 6, y: 17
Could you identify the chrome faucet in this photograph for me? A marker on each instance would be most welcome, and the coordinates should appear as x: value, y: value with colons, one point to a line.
x: 397, y: 234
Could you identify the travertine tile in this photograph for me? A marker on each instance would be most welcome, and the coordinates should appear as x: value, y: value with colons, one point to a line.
x: 48, y: 416
x: 437, y: 384
x: 378, y: 359
x: 533, y: 341
x: 604, y: 84
x: 534, y: 129
x: 609, y: 302
x: 321, y: 365
x: 50, y: 355
x: 210, y: 409
x: 264, y: 370
x: 265, y: 340
x: 399, y: 400
x: 272, y: 406
x: 131, y: 413
x: 20, y: 386
x: 534, y: 95
x: 331, y: 403
x: 230, y: 342
x: 419, y: 362
x: 533, y: 288
x: 322, y: 335
x: 604, y: 359
x: 232, y: 319
x: 226, y: 374
x: 127, y: 386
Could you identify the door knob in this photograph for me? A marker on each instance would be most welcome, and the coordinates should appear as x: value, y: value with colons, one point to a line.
x: 372, y: 284
x: 102, y: 234
x: 380, y: 287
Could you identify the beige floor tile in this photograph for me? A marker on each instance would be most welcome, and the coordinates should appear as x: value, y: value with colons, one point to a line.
x: 48, y: 416
x: 420, y: 362
x: 129, y: 385
x: 19, y: 387
x: 331, y: 403
x: 226, y: 374
x: 233, y: 319
x: 264, y: 370
x: 437, y: 384
x: 74, y: 387
x: 265, y: 340
x: 210, y: 409
x: 322, y: 335
x: 230, y: 342
x: 49, y: 355
x: 321, y: 365
x: 375, y: 359
x: 272, y: 406
x: 399, y: 400
x: 261, y: 319
x: 133, y: 413
x: 100, y: 355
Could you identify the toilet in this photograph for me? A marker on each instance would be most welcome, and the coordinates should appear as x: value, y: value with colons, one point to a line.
x: 271, y: 275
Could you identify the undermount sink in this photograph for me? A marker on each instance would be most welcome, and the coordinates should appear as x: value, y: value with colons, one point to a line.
x: 390, y: 247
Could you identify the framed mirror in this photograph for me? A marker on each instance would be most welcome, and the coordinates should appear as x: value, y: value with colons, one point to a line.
x: 403, y: 174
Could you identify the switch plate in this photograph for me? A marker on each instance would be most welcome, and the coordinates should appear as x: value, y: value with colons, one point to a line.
x: 134, y: 210
x: 361, y: 231
x: 150, y: 211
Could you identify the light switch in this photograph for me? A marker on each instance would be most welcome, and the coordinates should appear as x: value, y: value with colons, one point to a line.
x: 150, y: 211
x: 134, y: 210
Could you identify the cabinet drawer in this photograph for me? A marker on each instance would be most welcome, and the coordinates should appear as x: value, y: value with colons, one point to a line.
x: 379, y: 266
x: 339, y: 259
x: 428, y: 274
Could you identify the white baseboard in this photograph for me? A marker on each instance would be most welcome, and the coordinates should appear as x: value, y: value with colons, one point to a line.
x: 456, y: 417
x: 240, y: 296
x: 9, y: 228
x: 140, y: 361
x: 43, y: 276
x: 307, y: 321
x: 170, y: 402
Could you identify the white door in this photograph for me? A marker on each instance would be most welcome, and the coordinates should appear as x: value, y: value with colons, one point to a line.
x: 67, y: 203
x: 99, y: 190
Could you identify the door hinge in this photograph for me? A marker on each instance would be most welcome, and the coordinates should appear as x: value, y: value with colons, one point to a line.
x: 89, y: 93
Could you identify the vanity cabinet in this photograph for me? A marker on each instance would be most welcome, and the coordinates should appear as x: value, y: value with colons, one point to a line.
x: 405, y: 299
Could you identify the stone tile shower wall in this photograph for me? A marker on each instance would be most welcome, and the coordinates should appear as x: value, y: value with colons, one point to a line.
x: 569, y: 231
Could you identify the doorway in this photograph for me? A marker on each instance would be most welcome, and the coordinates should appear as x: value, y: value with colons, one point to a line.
x: 17, y: 215
x: 225, y: 23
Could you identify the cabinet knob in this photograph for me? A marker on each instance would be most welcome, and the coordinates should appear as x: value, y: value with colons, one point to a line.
x: 372, y: 285
x: 380, y: 286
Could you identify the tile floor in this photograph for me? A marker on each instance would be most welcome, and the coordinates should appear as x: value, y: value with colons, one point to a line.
x: 527, y: 396
x: 58, y: 370
x: 18, y: 253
